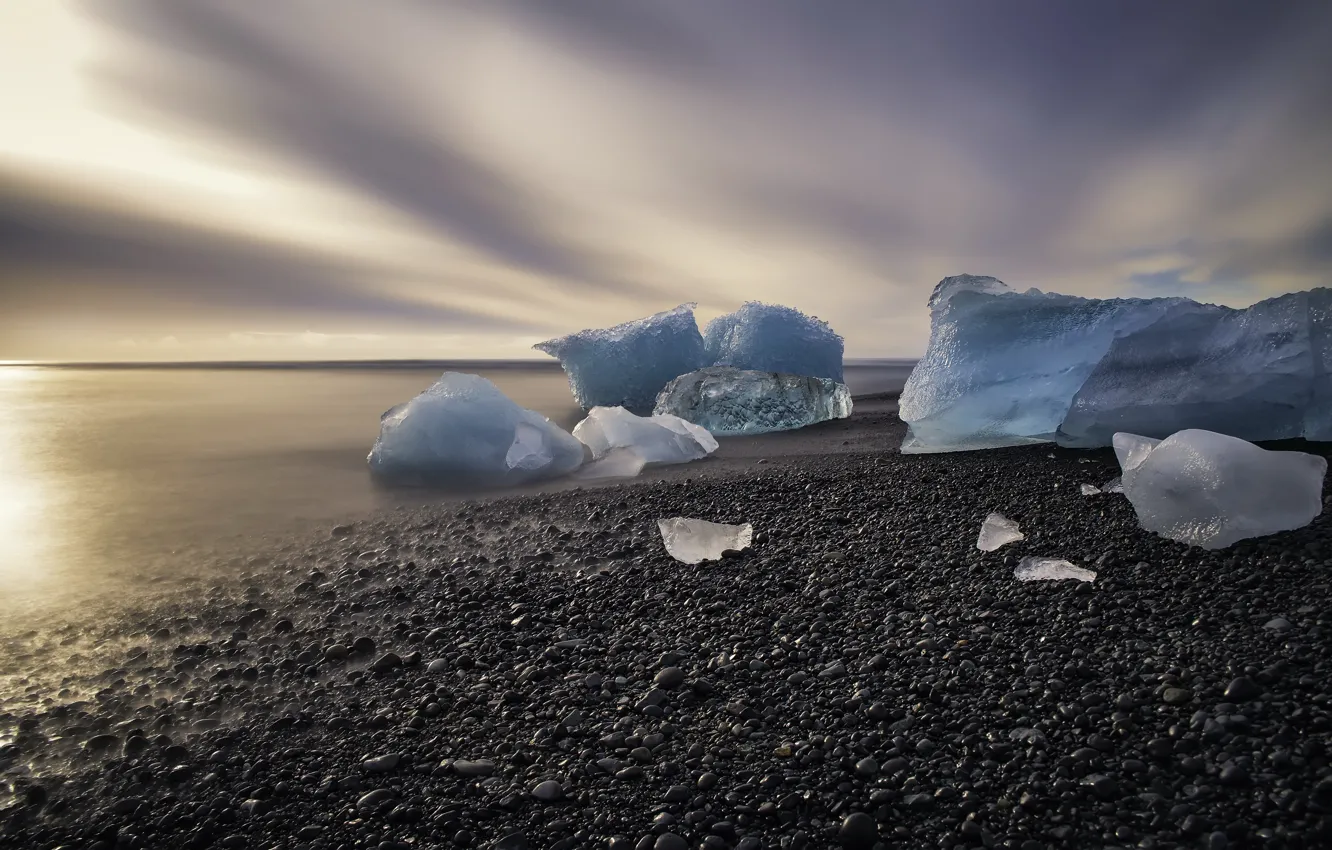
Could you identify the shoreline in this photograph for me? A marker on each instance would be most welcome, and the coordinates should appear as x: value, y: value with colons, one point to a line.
x: 862, y: 656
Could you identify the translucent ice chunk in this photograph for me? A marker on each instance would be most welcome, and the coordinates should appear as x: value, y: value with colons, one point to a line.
x: 1114, y: 485
x: 464, y: 431
x: 660, y: 438
x: 627, y: 365
x: 1090, y: 490
x: 1211, y: 490
x: 772, y: 338
x: 729, y: 402
x: 998, y: 530
x: 693, y: 540
x: 1050, y: 569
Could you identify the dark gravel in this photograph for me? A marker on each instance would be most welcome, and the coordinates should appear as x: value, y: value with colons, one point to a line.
x: 535, y: 672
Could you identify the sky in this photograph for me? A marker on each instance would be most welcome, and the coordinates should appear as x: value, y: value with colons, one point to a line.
x: 329, y: 179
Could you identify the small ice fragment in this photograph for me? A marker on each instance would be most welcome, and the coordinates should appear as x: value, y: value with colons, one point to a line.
x: 997, y: 530
x: 1027, y: 735
x: 1090, y: 490
x: 693, y: 540
x: 1050, y: 569
x: 1114, y: 485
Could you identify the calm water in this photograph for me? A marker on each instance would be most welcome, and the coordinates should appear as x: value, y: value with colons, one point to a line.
x: 112, y: 477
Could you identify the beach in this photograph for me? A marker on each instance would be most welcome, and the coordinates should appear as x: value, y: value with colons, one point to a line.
x: 533, y: 670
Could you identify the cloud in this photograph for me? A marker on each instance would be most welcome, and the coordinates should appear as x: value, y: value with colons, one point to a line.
x: 514, y: 168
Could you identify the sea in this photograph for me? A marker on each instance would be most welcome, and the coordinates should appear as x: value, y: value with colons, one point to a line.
x: 117, y: 478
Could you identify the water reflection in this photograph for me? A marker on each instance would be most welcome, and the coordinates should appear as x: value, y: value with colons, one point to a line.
x: 28, y: 515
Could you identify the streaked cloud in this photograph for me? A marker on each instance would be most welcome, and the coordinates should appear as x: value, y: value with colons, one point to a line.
x: 476, y: 175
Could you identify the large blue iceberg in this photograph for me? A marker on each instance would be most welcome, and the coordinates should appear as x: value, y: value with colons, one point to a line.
x: 1006, y: 368
x: 772, y: 338
x: 731, y: 402
x: 464, y: 431
x: 627, y: 365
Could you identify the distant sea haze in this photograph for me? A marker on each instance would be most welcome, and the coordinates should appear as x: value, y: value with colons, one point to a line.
x: 116, y: 474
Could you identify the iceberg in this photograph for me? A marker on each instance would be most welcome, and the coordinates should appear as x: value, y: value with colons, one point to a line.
x: 772, y: 338
x: 627, y: 365
x: 1050, y: 569
x: 659, y: 438
x: 1007, y: 368
x: 692, y: 541
x: 1247, y: 373
x: 997, y: 530
x: 731, y: 402
x: 464, y: 431
x: 1211, y: 490
x: 1001, y: 367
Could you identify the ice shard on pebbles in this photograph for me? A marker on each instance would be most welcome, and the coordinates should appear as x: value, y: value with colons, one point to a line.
x: 998, y: 530
x: 627, y: 365
x: 1050, y: 569
x: 1211, y: 490
x: 691, y: 541
x: 733, y: 402
x: 464, y: 431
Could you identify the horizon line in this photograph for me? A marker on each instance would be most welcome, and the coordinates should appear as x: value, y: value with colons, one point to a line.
x: 480, y: 362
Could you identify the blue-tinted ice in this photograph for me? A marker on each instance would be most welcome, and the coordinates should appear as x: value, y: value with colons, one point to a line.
x: 627, y: 365
x: 773, y: 338
x: 730, y: 402
x: 464, y: 431
x: 1005, y: 368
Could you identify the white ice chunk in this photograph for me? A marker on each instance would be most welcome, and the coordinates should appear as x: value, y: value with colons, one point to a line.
x: 693, y: 540
x: 772, y: 338
x: 997, y: 530
x: 1090, y: 490
x: 660, y: 438
x: 1211, y: 490
x: 1050, y: 569
x: 1114, y: 485
x: 627, y: 365
x: 733, y: 402
x: 464, y: 431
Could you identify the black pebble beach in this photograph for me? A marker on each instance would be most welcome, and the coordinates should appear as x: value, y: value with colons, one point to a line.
x: 534, y: 671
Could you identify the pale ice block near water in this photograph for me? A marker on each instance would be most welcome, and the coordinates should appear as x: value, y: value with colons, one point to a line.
x: 463, y: 430
x: 692, y: 541
x: 1211, y: 490
x: 627, y: 365
x: 622, y: 443
x: 773, y: 338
